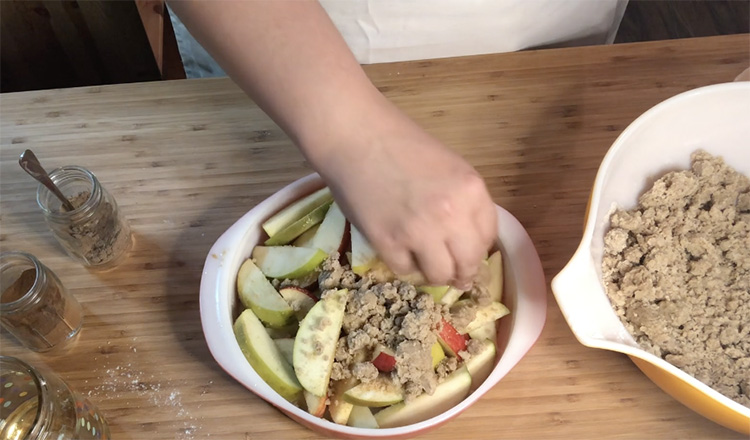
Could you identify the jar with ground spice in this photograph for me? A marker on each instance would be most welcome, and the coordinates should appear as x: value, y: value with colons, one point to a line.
x: 35, y: 307
x: 95, y: 232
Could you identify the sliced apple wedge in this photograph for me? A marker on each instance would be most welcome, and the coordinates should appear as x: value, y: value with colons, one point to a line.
x: 382, y: 391
x: 361, y: 417
x: 451, y: 296
x: 437, y: 353
x: 316, y: 405
x: 296, y: 211
x: 287, y: 331
x: 384, y: 359
x: 436, y: 292
x: 448, y: 394
x: 315, y: 344
x: 330, y: 235
x: 339, y: 408
x: 485, y: 331
x: 287, y: 261
x: 451, y: 340
x: 480, y: 364
x: 495, y: 284
x: 299, y: 299
x: 306, y: 238
x: 489, y: 313
x: 286, y: 347
x: 363, y: 255
x: 257, y: 293
x: 296, y: 229
x: 264, y: 356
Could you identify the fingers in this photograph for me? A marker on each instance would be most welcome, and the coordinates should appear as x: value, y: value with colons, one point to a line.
x: 436, y: 262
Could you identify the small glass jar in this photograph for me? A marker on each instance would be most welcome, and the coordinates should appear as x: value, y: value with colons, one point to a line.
x: 35, y: 307
x: 95, y: 233
x: 38, y: 405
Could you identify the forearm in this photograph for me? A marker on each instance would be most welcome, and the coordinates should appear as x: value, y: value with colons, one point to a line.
x: 289, y: 57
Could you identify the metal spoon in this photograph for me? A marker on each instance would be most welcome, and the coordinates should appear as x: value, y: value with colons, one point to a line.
x: 31, y: 165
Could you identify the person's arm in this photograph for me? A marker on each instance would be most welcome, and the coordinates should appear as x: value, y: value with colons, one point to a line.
x: 420, y: 204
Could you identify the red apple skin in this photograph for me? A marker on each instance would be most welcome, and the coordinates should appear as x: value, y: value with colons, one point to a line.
x: 384, y: 362
x: 303, y: 290
x: 452, y: 338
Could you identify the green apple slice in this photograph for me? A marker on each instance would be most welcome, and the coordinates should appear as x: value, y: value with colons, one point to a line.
x: 315, y: 344
x: 382, y: 391
x: 316, y: 405
x: 436, y: 292
x: 294, y: 230
x: 287, y: 261
x: 296, y: 211
x: 489, y: 313
x: 264, y: 356
x: 480, y: 364
x: 285, y: 346
x: 361, y: 417
x: 451, y: 296
x: 437, y: 353
x: 339, y: 408
x: 487, y: 330
x: 495, y: 285
x: 448, y: 394
x: 330, y: 235
x: 363, y: 255
x: 306, y: 238
x: 257, y: 293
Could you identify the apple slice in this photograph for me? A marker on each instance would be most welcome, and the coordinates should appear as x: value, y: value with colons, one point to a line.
x: 451, y: 296
x: 330, y: 235
x: 316, y: 405
x: 480, y: 364
x: 264, y: 356
x: 485, y: 331
x: 495, y: 284
x: 489, y: 313
x: 296, y: 211
x: 299, y: 299
x: 287, y: 331
x: 363, y: 255
x: 382, y: 391
x: 339, y: 408
x: 296, y: 229
x: 315, y: 344
x: 384, y: 359
x: 451, y: 340
x: 447, y: 395
x: 437, y: 354
x: 436, y: 292
x: 257, y: 293
x: 287, y: 261
x: 285, y: 346
x: 306, y: 238
x: 361, y: 417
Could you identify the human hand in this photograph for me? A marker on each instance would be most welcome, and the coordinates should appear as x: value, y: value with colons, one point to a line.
x: 421, y: 205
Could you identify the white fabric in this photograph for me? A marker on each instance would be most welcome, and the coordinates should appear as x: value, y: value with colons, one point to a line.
x: 380, y: 31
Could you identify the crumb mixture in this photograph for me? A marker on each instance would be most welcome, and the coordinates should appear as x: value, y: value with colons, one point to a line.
x: 391, y: 315
x: 677, y: 270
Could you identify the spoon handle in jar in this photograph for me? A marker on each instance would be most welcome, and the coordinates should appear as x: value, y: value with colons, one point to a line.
x: 31, y: 165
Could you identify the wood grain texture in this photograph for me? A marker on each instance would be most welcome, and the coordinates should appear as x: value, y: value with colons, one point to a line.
x: 185, y: 159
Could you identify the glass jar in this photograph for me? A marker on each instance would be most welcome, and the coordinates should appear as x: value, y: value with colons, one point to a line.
x: 95, y: 232
x: 38, y: 405
x: 34, y: 305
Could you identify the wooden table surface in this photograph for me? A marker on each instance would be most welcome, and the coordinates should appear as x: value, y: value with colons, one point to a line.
x: 185, y: 159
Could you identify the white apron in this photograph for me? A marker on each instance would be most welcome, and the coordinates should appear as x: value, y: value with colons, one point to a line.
x: 380, y: 31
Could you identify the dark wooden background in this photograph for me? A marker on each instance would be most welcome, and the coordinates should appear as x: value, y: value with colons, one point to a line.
x: 48, y: 44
